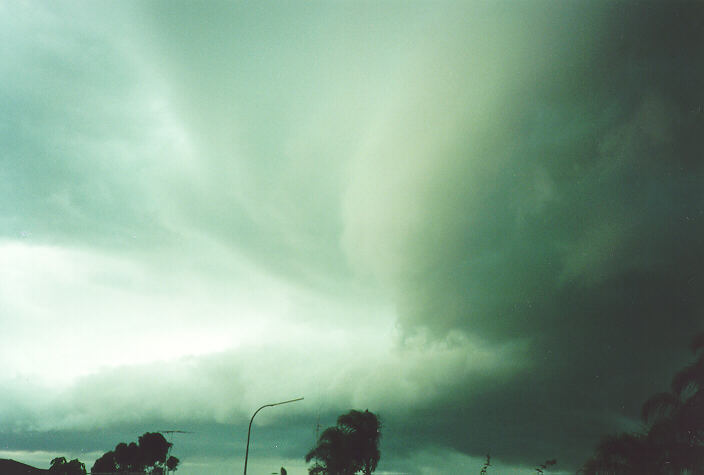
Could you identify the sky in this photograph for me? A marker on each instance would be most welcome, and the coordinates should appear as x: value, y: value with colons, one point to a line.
x: 482, y: 221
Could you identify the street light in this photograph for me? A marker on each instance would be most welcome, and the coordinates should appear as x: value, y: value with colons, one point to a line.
x: 246, y: 454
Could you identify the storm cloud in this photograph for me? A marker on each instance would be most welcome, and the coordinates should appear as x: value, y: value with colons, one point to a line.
x: 483, y: 221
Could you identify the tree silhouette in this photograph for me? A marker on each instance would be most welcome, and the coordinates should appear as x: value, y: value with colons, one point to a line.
x: 349, y: 447
x: 673, y: 440
x: 333, y: 454
x: 543, y: 466
x: 128, y: 457
x: 486, y: 465
x: 148, y: 455
x: 363, y: 429
x: 105, y: 464
x: 153, y: 448
x: 621, y: 454
x: 59, y: 466
x: 171, y: 463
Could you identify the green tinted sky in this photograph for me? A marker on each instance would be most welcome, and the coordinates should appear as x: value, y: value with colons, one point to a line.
x: 481, y: 220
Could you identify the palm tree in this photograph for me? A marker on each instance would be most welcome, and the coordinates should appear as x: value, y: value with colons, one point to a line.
x: 364, y: 430
x: 333, y: 454
x: 676, y: 419
x: 349, y: 447
x: 686, y: 384
x: 673, y: 442
x: 624, y: 454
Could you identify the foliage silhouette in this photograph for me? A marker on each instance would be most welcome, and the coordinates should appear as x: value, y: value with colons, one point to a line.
x: 59, y: 466
x: 105, y: 463
x: 148, y: 455
x: 172, y: 463
x: 673, y: 440
x: 154, y: 448
x: 486, y: 465
x: 349, y: 447
x: 542, y: 467
x: 128, y: 457
x: 332, y: 453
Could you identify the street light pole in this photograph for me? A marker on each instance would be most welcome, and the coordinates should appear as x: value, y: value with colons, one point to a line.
x: 246, y: 454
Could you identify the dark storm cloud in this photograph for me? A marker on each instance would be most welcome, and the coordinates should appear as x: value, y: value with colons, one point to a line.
x: 522, y: 182
x: 585, y: 238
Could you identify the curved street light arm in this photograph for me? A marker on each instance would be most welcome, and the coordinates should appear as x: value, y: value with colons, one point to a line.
x: 249, y: 430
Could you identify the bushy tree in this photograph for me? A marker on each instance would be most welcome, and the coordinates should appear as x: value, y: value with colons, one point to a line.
x: 153, y: 448
x: 349, y: 447
x: 171, y: 463
x: 148, y: 455
x: 59, y: 466
x: 128, y: 457
x: 105, y: 464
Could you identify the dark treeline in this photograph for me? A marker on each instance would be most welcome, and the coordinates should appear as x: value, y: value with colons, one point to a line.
x: 148, y: 455
x: 672, y: 441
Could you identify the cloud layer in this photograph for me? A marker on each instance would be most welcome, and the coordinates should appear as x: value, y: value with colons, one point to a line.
x: 483, y: 221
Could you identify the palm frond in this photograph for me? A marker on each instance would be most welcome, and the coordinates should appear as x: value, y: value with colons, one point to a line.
x: 659, y: 405
x: 690, y: 377
x: 697, y: 342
